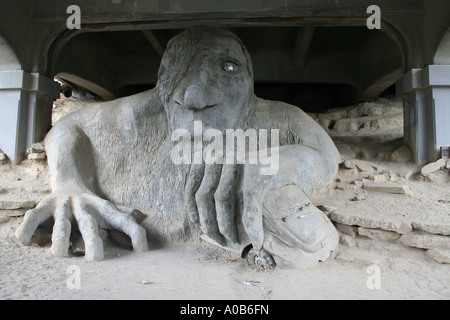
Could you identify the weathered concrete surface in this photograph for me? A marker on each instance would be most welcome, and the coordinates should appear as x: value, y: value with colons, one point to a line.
x: 381, y: 221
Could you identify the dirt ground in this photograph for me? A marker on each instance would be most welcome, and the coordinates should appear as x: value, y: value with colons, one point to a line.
x: 362, y: 267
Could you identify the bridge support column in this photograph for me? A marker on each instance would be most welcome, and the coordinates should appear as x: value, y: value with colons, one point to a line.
x: 426, y: 100
x: 26, y: 101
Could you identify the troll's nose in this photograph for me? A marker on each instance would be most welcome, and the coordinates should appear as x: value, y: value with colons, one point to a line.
x: 194, y: 98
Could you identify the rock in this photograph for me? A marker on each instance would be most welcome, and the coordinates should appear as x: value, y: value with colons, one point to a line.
x: 3, y: 157
x: 363, y: 166
x: 347, y: 241
x: 358, y: 183
x: 432, y: 167
x: 346, y: 187
x: 388, y: 187
x: 439, y: 255
x: 36, y: 148
x: 423, y: 240
x: 377, y: 234
x: 401, y: 155
x: 439, y: 228
x: 371, y: 222
x: 326, y: 209
x: 10, y: 204
x: 359, y: 197
x: 37, y: 156
x: 347, y: 230
x: 348, y: 164
x: 404, y: 172
x: 13, y: 213
x: 380, y: 177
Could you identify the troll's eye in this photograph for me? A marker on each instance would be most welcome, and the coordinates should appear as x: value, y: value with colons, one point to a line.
x: 230, y: 66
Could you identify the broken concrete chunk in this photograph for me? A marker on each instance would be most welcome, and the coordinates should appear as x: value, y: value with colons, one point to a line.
x: 372, y: 222
x: 432, y: 167
x: 377, y: 234
x: 388, y: 187
x: 380, y: 177
x: 359, y: 197
x: 36, y: 148
x: 347, y: 240
x: 10, y: 204
x: 401, y: 155
x: 13, y: 213
x: 347, y: 230
x: 439, y: 255
x: 37, y: 156
x: 348, y: 164
x: 3, y: 157
x: 404, y: 172
x: 364, y: 166
x: 439, y: 228
x: 423, y: 240
x: 326, y: 209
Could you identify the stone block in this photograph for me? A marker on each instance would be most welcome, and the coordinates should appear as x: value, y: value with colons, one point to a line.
x: 423, y: 240
x: 377, y: 234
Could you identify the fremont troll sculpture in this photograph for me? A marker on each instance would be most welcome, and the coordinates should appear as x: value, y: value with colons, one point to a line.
x: 112, y: 164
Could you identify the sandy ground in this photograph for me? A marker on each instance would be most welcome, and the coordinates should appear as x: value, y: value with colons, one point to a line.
x: 192, y: 272
x: 201, y: 271
x: 365, y: 269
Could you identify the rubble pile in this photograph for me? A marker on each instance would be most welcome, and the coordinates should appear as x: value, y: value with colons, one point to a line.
x: 392, y: 227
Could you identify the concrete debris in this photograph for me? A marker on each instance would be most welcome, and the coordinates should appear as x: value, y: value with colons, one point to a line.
x: 36, y: 148
x: 363, y: 166
x: 351, y: 231
x: 347, y: 240
x: 37, y: 156
x: 404, y: 173
x: 348, y: 164
x: 401, y: 155
x: 388, y: 187
x: 3, y: 157
x: 359, y: 197
x: 433, y: 167
x: 326, y: 209
x: 36, y: 152
x: 371, y: 222
x: 13, y: 204
x: 423, y: 240
x: 439, y: 228
x: 439, y: 255
x: 380, y: 177
x: 377, y: 234
x: 13, y: 213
